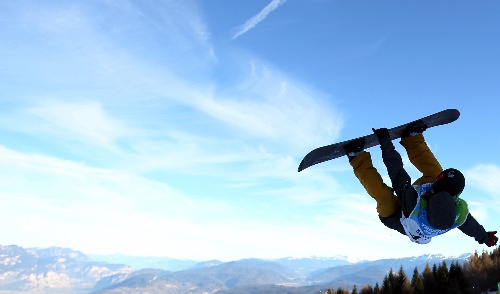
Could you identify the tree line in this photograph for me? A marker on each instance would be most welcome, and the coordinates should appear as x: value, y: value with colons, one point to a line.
x: 479, y: 274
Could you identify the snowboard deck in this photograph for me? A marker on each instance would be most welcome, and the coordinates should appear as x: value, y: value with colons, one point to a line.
x: 336, y: 150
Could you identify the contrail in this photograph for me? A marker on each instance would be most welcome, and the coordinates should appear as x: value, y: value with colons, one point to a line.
x: 252, y: 22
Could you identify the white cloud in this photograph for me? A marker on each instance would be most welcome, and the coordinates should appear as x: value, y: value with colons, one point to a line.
x: 485, y: 177
x: 265, y: 103
x: 252, y: 22
x: 84, y: 121
x: 152, y: 114
x: 78, y: 202
x: 274, y: 107
x: 108, y: 211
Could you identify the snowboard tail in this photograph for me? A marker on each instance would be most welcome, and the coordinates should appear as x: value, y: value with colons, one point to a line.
x: 336, y: 150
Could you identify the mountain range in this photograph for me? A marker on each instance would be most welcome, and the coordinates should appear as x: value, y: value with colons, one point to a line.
x: 63, y: 270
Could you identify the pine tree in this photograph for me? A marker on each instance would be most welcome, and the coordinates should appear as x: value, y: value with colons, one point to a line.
x: 491, y: 271
x: 494, y: 272
x: 376, y: 290
x: 475, y: 273
x: 388, y: 283
x: 354, y: 290
x: 442, y: 278
x: 458, y: 282
x: 386, y: 286
x: 428, y: 279
x: 367, y: 289
x: 417, y: 283
x: 399, y: 281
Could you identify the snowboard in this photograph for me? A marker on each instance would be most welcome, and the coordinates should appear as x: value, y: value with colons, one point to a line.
x: 336, y: 150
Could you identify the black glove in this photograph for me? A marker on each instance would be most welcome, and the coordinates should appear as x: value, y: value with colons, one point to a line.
x: 381, y: 133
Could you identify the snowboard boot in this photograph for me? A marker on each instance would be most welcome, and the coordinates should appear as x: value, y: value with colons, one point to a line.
x: 354, y: 148
x: 414, y: 128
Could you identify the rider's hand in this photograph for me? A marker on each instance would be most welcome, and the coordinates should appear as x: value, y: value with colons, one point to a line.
x: 381, y: 133
x: 492, y: 239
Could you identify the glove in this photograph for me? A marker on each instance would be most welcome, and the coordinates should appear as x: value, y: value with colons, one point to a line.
x: 381, y: 133
x: 492, y: 239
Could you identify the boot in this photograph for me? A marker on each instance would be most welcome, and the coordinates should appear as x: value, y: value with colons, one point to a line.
x: 414, y: 128
x: 354, y: 148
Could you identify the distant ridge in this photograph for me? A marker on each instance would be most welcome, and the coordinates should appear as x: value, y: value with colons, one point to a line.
x: 63, y: 270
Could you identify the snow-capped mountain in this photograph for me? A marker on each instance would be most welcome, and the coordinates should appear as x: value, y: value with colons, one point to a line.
x: 63, y: 270
x: 48, y: 269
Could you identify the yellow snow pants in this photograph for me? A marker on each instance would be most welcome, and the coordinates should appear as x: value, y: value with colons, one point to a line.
x: 420, y: 156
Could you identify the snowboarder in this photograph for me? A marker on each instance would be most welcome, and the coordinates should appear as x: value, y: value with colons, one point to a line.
x: 429, y: 207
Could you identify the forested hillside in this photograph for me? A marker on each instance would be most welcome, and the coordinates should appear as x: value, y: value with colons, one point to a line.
x: 479, y: 274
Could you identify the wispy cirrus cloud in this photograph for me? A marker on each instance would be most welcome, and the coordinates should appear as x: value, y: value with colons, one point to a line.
x: 252, y: 22
x: 484, y: 177
x: 111, y: 126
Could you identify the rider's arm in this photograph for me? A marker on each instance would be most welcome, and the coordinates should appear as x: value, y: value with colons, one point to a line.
x: 473, y: 229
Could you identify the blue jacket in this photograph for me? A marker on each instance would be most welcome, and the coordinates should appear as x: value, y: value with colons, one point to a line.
x: 417, y: 226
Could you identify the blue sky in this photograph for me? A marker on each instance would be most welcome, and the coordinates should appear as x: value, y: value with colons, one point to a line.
x: 175, y: 128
